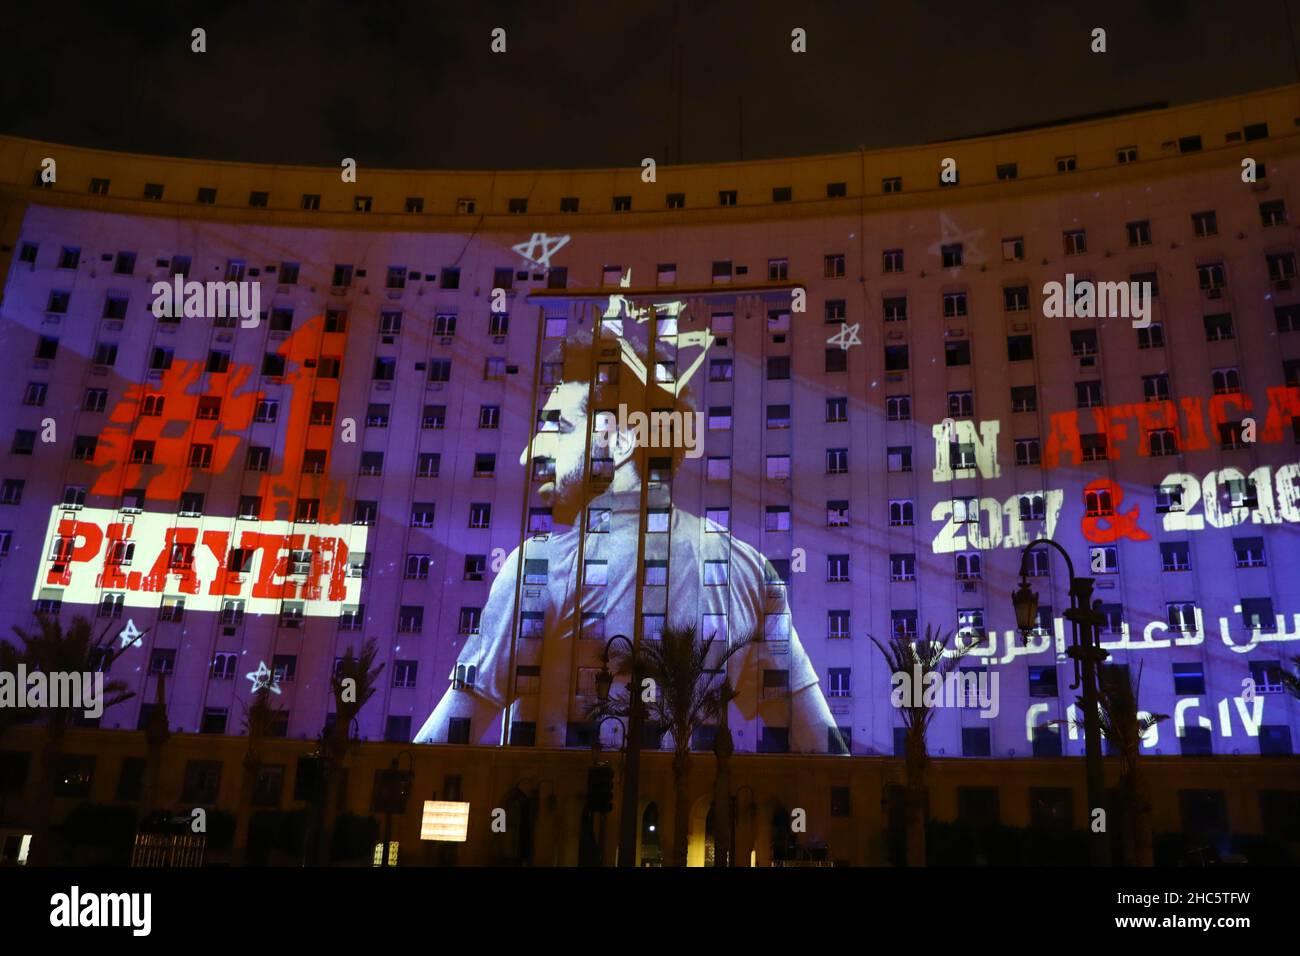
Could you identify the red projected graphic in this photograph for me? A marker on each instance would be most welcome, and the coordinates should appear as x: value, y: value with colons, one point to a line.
x: 1190, y: 428
x: 194, y: 417
x: 1113, y: 524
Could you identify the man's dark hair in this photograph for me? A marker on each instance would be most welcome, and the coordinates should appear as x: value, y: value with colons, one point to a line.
x: 581, y: 357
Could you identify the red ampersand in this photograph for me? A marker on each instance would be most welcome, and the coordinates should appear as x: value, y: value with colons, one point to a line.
x: 1117, y: 524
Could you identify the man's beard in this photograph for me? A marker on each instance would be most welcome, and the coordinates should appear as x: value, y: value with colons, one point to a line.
x: 564, y: 494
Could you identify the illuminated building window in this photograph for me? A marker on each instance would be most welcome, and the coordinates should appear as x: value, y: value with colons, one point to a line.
x: 410, y: 619
x: 313, y: 461
x: 1155, y: 388
x: 837, y: 410
x: 372, y: 463
x: 95, y: 400
x: 1037, y: 565
x: 778, y: 270
x: 899, y: 458
x: 777, y: 518
x: 1027, y: 451
x: 657, y: 521
x: 83, y: 448
x: 1139, y: 233
x: 1087, y: 394
x: 191, y: 503
x: 1258, y: 613
x: 952, y: 255
x: 969, y: 565
x: 716, y: 520
x: 1267, y: 675
x: 1231, y: 436
x: 307, y: 510
x: 719, y: 417
x: 539, y: 521
x: 1104, y: 559
x: 1169, y: 498
x: 1180, y: 615
x: 142, y: 452
x: 1225, y: 381
x: 837, y: 461
x: 837, y: 514
x: 837, y: 568
x: 444, y: 324
x: 656, y: 573
x: 475, y: 567
x: 480, y: 515
x: 485, y: 464
x: 434, y: 416
x: 898, y: 408
x: 531, y: 623
x: 903, y: 622
x: 1287, y: 318
x: 1097, y: 503
x: 224, y: 665
x: 284, y: 667
x: 1249, y: 552
x: 1016, y: 299
x: 469, y: 619
x: 966, y: 510
x: 417, y: 567
x: 498, y: 324
x: 1162, y: 441
x: 440, y: 370
x: 259, y: 458
x: 110, y: 605
x: 172, y: 609
x: 902, y: 567
x: 358, y: 564
x: 1175, y: 556
x: 1189, y: 679
x: 1013, y: 249
x: 961, y: 404
x: 1075, y: 241
x: 954, y: 305
x: 598, y: 520
x: 1033, y: 507
x: 1272, y: 213
x: 892, y: 260
x: 1281, y: 267
x: 778, y: 416
x: 727, y: 197
x: 837, y: 625
x: 1210, y: 277
x: 232, y: 613
x: 901, y: 512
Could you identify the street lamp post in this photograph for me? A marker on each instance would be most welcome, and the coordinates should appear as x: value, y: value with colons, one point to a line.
x: 627, y: 820
x: 397, y: 791
x: 1088, y: 654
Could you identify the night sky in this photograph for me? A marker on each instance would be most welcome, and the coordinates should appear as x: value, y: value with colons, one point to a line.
x: 592, y: 84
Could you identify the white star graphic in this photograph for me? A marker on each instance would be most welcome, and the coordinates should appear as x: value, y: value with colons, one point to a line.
x: 950, y: 234
x: 550, y: 246
x: 846, y: 336
x: 130, y: 634
x: 262, y: 677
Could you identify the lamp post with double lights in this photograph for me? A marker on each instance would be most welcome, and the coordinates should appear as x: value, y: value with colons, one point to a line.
x: 627, y: 821
x: 395, y: 789
x: 1088, y: 654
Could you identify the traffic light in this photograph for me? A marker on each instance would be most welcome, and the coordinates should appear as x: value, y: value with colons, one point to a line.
x: 600, y: 788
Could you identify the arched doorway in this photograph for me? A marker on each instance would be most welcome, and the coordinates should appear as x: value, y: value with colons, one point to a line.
x: 651, y: 852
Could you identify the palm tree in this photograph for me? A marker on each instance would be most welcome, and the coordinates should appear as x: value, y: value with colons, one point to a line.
x: 1123, y: 727
x: 353, y: 683
x: 53, y: 650
x: 917, y: 659
x: 688, y: 691
x: 258, y: 720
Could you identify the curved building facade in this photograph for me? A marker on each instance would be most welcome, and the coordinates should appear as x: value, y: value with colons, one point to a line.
x: 259, y: 415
